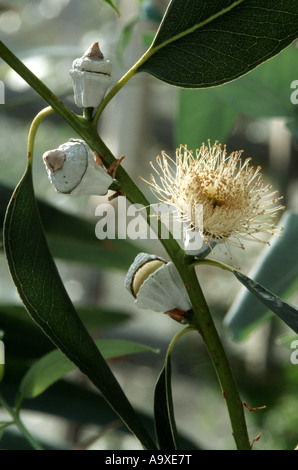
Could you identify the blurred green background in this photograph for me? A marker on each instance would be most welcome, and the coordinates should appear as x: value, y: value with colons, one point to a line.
x: 255, y: 114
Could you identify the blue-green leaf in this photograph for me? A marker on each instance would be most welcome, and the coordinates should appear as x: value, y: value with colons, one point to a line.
x: 277, y: 271
x: 287, y: 312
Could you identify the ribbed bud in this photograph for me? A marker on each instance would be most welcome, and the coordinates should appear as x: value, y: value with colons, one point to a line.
x: 91, y: 76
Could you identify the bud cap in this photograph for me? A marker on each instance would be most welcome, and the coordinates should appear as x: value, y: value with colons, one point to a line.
x: 91, y: 76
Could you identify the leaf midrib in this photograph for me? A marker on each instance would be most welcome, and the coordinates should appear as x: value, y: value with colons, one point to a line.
x: 152, y: 50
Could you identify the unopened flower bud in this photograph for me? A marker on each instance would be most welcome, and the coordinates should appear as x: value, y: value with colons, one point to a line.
x: 72, y: 170
x: 156, y: 285
x: 91, y: 76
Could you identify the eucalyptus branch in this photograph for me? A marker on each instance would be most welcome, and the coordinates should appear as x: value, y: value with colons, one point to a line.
x: 201, y: 318
x: 212, y: 262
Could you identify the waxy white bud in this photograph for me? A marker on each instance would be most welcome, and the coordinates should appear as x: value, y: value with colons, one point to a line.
x: 91, y: 76
x: 73, y: 170
x: 156, y: 285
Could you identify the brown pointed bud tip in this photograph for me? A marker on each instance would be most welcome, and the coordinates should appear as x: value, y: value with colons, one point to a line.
x: 94, y: 51
x: 54, y: 159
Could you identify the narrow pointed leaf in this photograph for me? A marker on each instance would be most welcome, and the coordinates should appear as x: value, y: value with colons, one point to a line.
x: 46, y: 300
x: 112, y: 5
x: 287, y: 312
x: 25, y: 339
x: 161, y: 415
x: 55, y: 365
x: 165, y: 425
x: 72, y: 238
x: 273, y: 278
x: 202, y: 43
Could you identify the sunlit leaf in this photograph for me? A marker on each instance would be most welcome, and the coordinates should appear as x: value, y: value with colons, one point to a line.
x: 263, y: 93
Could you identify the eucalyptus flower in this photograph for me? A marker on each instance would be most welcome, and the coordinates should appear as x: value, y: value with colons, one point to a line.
x: 237, y: 205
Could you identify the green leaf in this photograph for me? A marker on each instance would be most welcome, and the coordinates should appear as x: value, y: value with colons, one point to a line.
x: 276, y: 269
x: 164, y: 418
x: 54, y: 365
x: 24, y: 338
x: 112, y: 4
x: 287, y: 312
x: 72, y: 238
x: 165, y: 427
x: 46, y: 300
x: 265, y: 92
x: 201, y: 43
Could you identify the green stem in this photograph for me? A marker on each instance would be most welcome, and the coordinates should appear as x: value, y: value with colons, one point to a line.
x: 36, y: 84
x: 33, y: 130
x: 203, y: 321
x: 201, y: 318
x: 213, y: 262
x: 116, y: 88
x: 169, y: 384
x: 17, y: 421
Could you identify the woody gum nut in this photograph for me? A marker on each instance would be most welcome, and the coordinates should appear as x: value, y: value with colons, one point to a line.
x: 79, y: 174
x: 91, y: 76
x: 156, y: 284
